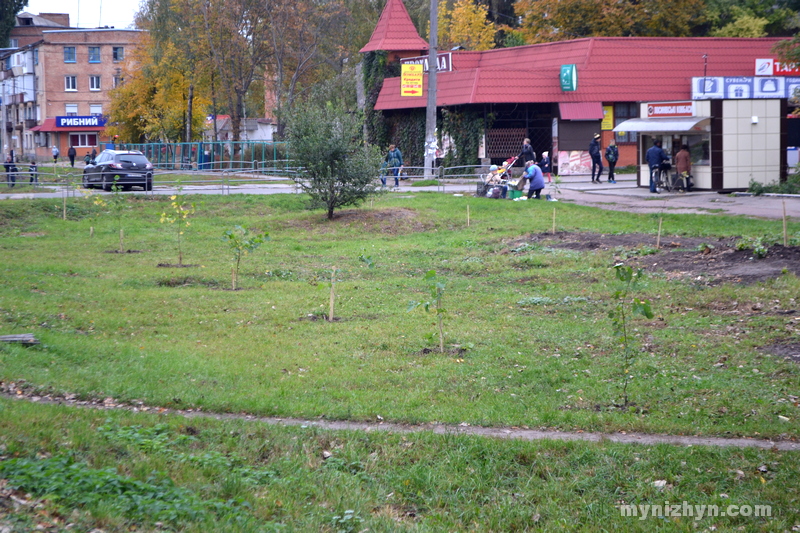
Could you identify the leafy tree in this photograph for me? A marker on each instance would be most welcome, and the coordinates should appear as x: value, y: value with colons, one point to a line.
x: 237, y: 35
x: 745, y: 25
x: 167, y: 79
x: 8, y: 17
x: 465, y: 24
x: 789, y: 50
x: 337, y: 168
x: 739, y: 17
x: 556, y: 20
x: 299, y: 33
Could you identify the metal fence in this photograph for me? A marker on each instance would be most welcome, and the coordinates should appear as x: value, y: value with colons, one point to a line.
x: 214, y: 156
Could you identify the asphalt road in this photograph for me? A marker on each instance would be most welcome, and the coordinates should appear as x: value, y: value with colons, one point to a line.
x: 622, y: 196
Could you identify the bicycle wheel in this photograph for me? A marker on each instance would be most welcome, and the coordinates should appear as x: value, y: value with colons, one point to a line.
x: 666, y: 181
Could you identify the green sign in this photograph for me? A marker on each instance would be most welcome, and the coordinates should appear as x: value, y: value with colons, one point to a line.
x: 569, y: 78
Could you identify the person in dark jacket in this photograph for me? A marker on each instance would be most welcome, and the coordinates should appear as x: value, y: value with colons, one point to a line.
x: 597, y: 159
x: 612, y: 155
x: 34, y: 172
x: 546, y: 166
x: 10, y: 177
x: 527, y: 153
x: 71, y: 153
x: 654, y: 157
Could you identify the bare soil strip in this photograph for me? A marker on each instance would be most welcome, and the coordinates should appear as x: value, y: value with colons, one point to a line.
x: 439, y: 429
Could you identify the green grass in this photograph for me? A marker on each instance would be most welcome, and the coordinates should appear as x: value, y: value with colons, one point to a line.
x: 537, y: 351
x: 117, y: 325
x: 207, y: 475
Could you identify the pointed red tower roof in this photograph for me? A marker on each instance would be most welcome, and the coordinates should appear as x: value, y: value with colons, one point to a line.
x: 395, y: 32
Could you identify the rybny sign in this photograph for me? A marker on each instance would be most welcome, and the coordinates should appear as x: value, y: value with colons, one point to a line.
x: 80, y: 122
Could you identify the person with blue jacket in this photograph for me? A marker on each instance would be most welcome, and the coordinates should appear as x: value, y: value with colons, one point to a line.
x: 535, y: 179
x: 394, y: 160
x: 654, y: 157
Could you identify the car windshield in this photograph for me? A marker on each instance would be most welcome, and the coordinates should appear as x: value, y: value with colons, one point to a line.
x: 133, y: 159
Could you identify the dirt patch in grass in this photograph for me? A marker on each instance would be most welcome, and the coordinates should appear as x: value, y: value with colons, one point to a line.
x: 170, y: 265
x: 387, y: 220
x: 123, y: 251
x: 187, y: 281
x: 789, y: 350
x: 682, y: 257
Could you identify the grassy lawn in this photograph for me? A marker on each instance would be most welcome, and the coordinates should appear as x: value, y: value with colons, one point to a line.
x: 121, y: 472
x: 528, y: 337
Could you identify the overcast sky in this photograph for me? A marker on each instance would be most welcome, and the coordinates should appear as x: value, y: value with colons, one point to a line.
x: 89, y: 13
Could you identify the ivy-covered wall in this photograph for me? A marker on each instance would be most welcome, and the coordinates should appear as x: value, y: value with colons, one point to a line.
x: 406, y: 128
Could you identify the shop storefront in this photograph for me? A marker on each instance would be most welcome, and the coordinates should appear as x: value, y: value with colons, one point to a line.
x: 82, y: 133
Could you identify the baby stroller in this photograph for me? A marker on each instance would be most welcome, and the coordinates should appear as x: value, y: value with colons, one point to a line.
x: 499, y: 180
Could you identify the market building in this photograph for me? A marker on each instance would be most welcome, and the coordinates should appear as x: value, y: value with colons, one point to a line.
x: 727, y: 98
x: 55, y: 89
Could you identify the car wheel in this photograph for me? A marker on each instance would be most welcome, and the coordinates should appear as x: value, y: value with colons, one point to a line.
x: 107, y: 184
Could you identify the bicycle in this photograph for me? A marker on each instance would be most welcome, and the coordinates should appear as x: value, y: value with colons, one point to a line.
x: 663, y: 179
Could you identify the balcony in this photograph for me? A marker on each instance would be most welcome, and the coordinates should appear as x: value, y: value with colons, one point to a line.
x: 9, y: 126
x: 30, y: 123
x: 18, y: 126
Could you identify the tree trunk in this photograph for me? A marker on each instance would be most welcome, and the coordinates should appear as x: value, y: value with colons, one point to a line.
x: 189, y: 103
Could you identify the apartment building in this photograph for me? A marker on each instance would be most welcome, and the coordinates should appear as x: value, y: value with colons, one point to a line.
x: 55, y: 90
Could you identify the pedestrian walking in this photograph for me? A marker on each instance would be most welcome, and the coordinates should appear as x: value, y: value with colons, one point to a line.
x: 612, y: 155
x: 597, y: 160
x: 71, y: 153
x: 55, y: 153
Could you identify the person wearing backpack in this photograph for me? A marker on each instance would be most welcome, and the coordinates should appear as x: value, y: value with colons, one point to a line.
x: 612, y: 155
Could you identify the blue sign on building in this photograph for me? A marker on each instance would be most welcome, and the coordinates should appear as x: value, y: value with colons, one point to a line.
x: 81, y: 122
x: 744, y: 87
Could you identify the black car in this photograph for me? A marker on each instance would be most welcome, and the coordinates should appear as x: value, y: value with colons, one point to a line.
x: 127, y: 168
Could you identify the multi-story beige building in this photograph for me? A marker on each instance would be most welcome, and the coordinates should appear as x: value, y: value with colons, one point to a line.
x: 55, y: 90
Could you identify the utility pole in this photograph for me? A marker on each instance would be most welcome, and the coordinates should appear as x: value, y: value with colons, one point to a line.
x: 430, y: 115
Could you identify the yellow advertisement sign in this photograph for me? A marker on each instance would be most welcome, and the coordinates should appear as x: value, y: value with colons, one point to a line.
x: 608, y: 118
x: 411, y: 80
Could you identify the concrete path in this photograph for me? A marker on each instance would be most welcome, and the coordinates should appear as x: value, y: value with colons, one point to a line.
x: 440, y: 429
x: 622, y: 196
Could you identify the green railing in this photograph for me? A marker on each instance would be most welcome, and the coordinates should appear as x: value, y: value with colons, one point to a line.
x: 218, y: 156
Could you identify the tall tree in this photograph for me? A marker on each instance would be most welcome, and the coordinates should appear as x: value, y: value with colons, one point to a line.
x: 238, y: 36
x: 8, y: 17
x: 298, y: 36
x: 556, y: 20
x: 465, y: 24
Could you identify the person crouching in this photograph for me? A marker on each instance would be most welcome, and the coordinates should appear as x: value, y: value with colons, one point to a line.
x: 535, y: 179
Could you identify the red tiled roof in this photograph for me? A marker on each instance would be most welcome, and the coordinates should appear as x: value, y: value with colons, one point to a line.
x: 610, y: 69
x: 395, y: 32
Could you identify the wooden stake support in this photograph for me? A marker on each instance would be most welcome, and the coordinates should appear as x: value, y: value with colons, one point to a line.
x: 658, y: 240
x: 333, y: 294
x: 785, y: 233
x: 554, y: 221
x: 468, y: 215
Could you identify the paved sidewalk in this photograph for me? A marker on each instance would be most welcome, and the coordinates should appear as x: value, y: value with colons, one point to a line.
x: 622, y: 196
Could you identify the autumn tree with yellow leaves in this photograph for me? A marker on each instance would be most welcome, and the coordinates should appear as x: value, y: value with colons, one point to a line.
x: 465, y: 24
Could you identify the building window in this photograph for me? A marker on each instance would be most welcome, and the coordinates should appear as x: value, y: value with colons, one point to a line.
x: 94, y: 83
x: 623, y: 112
x: 117, y: 81
x: 118, y: 53
x: 14, y: 43
x: 83, y: 140
x: 35, y: 56
x: 95, y: 109
x: 94, y: 54
x: 70, y: 83
x: 69, y: 54
x: 71, y: 110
